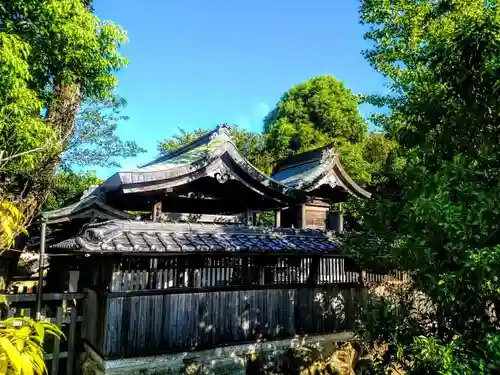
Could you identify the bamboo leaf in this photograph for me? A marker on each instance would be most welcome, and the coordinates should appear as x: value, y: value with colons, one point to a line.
x: 40, y: 332
x: 15, y: 359
x: 28, y: 368
x: 4, y: 363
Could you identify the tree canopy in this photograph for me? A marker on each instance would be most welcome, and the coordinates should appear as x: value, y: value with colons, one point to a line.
x: 94, y: 141
x: 69, y: 186
x: 21, y: 127
x: 323, y: 111
x: 312, y: 114
x: 439, y: 218
x: 55, y: 56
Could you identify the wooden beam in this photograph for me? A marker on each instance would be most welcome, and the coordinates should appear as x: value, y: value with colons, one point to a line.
x: 45, y: 297
x: 202, y: 218
x: 301, y: 222
x: 157, y: 211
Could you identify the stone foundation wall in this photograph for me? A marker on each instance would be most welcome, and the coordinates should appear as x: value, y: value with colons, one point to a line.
x: 226, y: 360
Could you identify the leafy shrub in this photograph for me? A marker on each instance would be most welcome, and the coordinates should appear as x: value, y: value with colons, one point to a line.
x: 11, y: 223
x: 21, y: 339
x: 21, y: 345
x: 399, y: 326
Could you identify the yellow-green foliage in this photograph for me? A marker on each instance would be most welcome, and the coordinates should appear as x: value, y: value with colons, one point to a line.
x: 21, y: 345
x: 11, y: 224
x: 21, y: 339
x: 21, y: 128
x: 342, y: 361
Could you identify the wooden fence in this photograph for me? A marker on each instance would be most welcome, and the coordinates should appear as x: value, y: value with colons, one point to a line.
x: 60, y: 309
x: 207, y: 271
x: 161, y: 322
x: 201, y: 271
x: 141, y: 305
x: 147, y: 306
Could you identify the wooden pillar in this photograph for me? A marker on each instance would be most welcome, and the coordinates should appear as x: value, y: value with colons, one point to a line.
x: 248, y: 217
x: 314, y: 270
x: 254, y: 218
x: 157, y: 211
x: 277, y: 218
x: 74, y: 276
x: 39, y: 288
x: 337, y: 221
x: 362, y: 277
x: 301, y: 216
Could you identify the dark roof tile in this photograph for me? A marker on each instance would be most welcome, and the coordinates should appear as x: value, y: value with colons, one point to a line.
x: 130, y: 237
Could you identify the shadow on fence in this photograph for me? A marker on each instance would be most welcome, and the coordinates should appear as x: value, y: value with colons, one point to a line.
x: 184, y: 313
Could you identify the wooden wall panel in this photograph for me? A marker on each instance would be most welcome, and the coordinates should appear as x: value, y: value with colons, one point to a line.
x: 145, y: 325
x: 316, y: 217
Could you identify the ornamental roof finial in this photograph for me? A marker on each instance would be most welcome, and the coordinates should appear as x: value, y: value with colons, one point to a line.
x: 327, y: 153
x: 222, y: 131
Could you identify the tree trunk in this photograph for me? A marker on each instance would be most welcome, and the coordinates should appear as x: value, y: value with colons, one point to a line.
x: 61, y: 113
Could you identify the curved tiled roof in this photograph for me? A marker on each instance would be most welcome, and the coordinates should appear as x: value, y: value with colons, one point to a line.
x: 88, y: 206
x: 212, y: 155
x: 312, y: 169
x: 148, y: 237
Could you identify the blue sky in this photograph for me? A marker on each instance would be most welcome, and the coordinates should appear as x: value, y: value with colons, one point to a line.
x: 195, y: 64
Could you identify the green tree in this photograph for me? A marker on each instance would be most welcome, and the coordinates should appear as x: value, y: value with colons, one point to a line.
x: 22, y: 130
x: 437, y: 215
x: 65, y: 56
x: 94, y: 141
x: 183, y: 138
x: 54, y: 55
x: 312, y: 114
x: 28, y: 140
x: 322, y: 111
x: 377, y: 150
x: 69, y: 186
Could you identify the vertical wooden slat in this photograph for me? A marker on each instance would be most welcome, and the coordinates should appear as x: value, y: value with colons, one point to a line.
x: 70, y: 365
x: 328, y: 276
x: 261, y: 275
x: 74, y: 277
x: 57, y: 343
x: 337, y: 275
x: 115, y: 276
x: 245, y: 271
x: 159, y: 274
x: 167, y: 277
